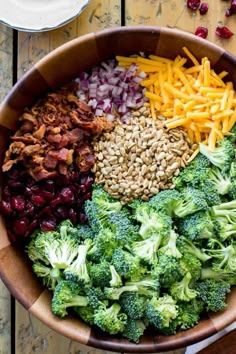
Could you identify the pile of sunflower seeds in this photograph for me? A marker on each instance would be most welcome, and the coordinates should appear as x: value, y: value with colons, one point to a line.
x: 139, y: 158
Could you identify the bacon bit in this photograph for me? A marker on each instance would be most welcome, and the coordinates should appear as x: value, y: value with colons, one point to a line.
x: 201, y: 32
x: 39, y: 134
x: 223, y: 32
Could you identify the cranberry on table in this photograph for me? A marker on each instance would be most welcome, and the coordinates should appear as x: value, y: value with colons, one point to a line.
x: 203, y: 8
x: 201, y: 31
x: 223, y: 32
x: 193, y: 4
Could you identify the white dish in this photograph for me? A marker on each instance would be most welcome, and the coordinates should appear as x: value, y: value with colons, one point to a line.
x: 39, y: 15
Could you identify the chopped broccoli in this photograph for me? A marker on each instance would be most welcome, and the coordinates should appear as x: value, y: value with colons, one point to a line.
x: 60, y: 250
x: 196, y: 226
x: 192, y: 200
x: 209, y: 273
x: 99, y: 273
x: 225, y: 227
x: 194, y: 174
x: 170, y: 248
x: 115, y: 293
x: 190, y: 264
x: 50, y: 276
x: 124, y: 230
x: 147, y: 249
x: 213, y: 294
x: 78, y: 271
x: 110, y: 319
x: 167, y: 269
x: 86, y: 313
x: 95, y: 296
x: 227, y: 209
x: 127, y: 265
x: 85, y: 232
x: 220, y: 181
x: 181, y: 290
x: 223, y: 257
x: 148, y: 286
x: 116, y: 280
x: 165, y: 201
x: 221, y: 156
x: 66, y: 294
x: 187, y: 246
x: 104, y: 244
x: 152, y: 221
x: 134, y: 330
x: 133, y: 304
x: 161, y: 311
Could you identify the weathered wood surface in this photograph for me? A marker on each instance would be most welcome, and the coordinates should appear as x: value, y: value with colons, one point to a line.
x: 175, y: 14
x: 31, y: 336
x: 6, y: 45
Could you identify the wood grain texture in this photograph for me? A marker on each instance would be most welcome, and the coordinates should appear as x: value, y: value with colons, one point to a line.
x: 175, y: 14
x: 98, y: 15
x: 6, y: 46
x: 31, y: 335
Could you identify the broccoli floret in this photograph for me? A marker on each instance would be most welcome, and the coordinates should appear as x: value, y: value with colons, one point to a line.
x: 66, y: 294
x: 99, y: 273
x: 50, y: 276
x: 188, y: 316
x: 221, y: 156
x: 209, y: 273
x: 152, y: 221
x: 227, y: 209
x: 148, y: 286
x: 66, y: 228
x: 78, y: 271
x: 134, y: 330
x: 36, y: 254
x: 220, y: 181
x: 211, y: 195
x: 98, y: 209
x: 115, y: 293
x: 127, y: 265
x: 181, y: 290
x: 161, y: 311
x: 104, y: 244
x: 170, y: 248
x: 116, y: 280
x: 133, y: 304
x: 60, y: 250
x: 110, y: 319
x: 167, y: 269
x: 213, y: 294
x: 147, y: 249
x: 187, y: 246
x: 190, y: 264
x: 95, y: 296
x: 124, y: 230
x: 165, y: 201
x: 225, y: 227
x: 196, y: 226
x: 192, y: 200
x: 223, y: 257
x: 194, y: 174
x: 85, y: 232
x: 86, y: 313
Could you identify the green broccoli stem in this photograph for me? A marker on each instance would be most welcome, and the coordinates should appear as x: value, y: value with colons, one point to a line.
x: 77, y: 300
x: 116, y: 280
x: 225, y: 209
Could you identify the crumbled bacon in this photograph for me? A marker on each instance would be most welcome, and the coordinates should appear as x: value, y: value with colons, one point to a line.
x: 54, y: 135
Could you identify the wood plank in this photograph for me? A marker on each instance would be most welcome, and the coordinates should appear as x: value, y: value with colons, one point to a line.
x: 31, y: 335
x: 175, y: 14
x: 98, y: 15
x: 6, y: 48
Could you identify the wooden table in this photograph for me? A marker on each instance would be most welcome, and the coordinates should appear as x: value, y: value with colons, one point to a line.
x: 21, y: 333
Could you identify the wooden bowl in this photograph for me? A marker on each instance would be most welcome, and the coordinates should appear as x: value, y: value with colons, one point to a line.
x: 60, y: 66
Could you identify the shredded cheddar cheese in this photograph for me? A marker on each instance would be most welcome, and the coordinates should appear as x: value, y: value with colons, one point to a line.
x: 194, y: 98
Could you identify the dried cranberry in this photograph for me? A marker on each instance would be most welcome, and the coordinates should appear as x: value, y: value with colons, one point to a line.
x: 193, y: 4
x: 56, y: 201
x: 48, y: 224
x: 35, y: 189
x: 37, y: 200
x: 29, y: 209
x: 50, y: 185
x: 73, y: 216
x: 32, y: 226
x: 5, y: 207
x: 47, y: 195
x: 67, y: 195
x: 18, y: 203
x: 83, y: 218
x: 15, y: 184
x: 61, y: 212
x: 201, y: 32
x: 203, y: 8
x: 229, y: 12
x: 233, y: 5
x: 223, y: 32
x: 20, y: 226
